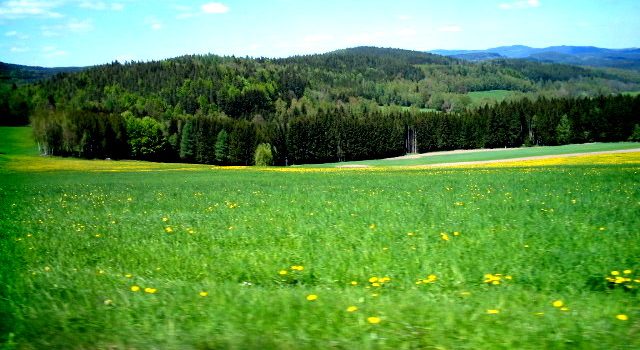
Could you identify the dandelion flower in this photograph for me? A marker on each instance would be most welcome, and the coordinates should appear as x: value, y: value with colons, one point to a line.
x: 312, y: 297
x: 128, y: 275
x: 282, y: 272
x: 150, y: 290
x: 168, y: 229
x: 558, y: 303
x: 135, y: 288
x: 354, y: 283
x: 622, y: 317
x: 297, y: 267
x: 373, y: 279
x: 493, y: 311
x: 352, y: 309
x: 626, y: 272
x: 203, y: 294
x: 444, y: 236
x: 373, y: 320
x: 615, y: 273
x: 564, y: 309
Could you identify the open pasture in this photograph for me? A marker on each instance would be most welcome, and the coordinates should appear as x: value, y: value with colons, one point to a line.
x: 530, y: 257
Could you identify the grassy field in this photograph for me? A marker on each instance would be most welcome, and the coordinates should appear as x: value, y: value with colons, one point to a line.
x: 195, y: 257
x: 491, y: 95
x: 498, y: 154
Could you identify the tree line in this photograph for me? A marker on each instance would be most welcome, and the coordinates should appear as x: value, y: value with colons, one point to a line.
x: 335, y: 132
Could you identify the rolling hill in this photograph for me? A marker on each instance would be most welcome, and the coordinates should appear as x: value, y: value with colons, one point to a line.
x: 574, y: 55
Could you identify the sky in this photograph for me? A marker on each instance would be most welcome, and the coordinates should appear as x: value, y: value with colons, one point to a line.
x: 58, y: 33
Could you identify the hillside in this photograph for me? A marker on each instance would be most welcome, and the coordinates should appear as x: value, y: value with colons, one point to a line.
x: 351, y: 104
x: 243, y: 87
x: 574, y: 55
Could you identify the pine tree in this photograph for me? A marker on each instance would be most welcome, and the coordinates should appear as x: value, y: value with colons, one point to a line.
x: 222, y: 146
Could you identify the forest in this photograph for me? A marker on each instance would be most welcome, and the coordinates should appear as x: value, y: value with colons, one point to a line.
x: 350, y: 104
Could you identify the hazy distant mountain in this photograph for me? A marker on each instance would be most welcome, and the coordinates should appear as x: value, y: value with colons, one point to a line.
x: 19, y: 74
x: 576, y: 55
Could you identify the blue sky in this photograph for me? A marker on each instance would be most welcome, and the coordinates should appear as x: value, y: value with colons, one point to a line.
x: 87, y: 32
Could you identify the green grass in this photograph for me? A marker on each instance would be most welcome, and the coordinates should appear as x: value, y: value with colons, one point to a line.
x: 492, y: 95
x: 493, y: 155
x: 69, y: 240
x: 17, y: 140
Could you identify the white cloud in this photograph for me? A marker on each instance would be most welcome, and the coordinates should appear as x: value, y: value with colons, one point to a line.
x: 29, y: 8
x: 52, y: 51
x: 184, y: 12
x: 79, y: 26
x: 405, y: 17
x: 17, y: 35
x: 49, y: 33
x: 101, y: 5
x: 185, y: 15
x: 215, y: 7
x: 72, y: 26
x: 153, y: 22
x: 19, y: 49
x: 521, y: 4
x: 450, y: 29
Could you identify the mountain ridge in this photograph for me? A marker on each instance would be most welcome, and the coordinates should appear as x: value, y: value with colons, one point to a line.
x: 625, y: 58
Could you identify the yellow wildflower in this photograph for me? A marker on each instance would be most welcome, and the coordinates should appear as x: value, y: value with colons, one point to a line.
x: 165, y: 219
x: 352, y: 309
x: 282, y: 272
x: 203, y: 294
x: 168, y: 229
x: 615, y: 273
x: 312, y: 297
x: 150, y: 290
x: 373, y: 279
x: 558, y: 303
x: 622, y: 317
x: 135, y: 288
x: 354, y: 283
x: 626, y: 272
x: 373, y: 320
x: 493, y: 311
x: 297, y: 267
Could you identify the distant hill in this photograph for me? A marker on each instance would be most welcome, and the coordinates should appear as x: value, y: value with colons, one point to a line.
x: 19, y: 74
x: 574, y: 55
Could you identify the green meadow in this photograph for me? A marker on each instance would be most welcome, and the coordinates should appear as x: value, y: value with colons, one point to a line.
x: 490, y: 154
x: 209, y: 258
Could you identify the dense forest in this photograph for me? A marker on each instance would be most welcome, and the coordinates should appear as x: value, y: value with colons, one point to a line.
x: 345, y: 105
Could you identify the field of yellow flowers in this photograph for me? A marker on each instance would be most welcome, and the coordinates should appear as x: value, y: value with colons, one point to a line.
x: 543, y: 256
